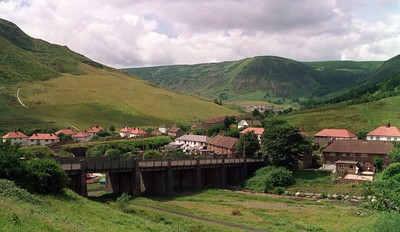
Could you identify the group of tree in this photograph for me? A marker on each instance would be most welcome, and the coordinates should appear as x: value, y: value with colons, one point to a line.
x: 41, y: 176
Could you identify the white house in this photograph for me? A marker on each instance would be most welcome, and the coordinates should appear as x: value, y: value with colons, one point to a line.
x: 16, y: 137
x: 132, y: 132
x: 164, y: 129
x: 83, y: 136
x: 191, y: 142
x: 250, y: 123
x: 43, y: 139
x: 385, y: 133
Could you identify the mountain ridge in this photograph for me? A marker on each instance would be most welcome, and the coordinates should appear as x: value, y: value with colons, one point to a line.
x: 258, y: 78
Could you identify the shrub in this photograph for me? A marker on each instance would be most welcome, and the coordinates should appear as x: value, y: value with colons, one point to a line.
x: 391, y: 171
x: 152, y: 154
x: 379, y: 163
x: 44, y: 176
x: 266, y: 179
x: 123, y: 200
x: 9, y: 190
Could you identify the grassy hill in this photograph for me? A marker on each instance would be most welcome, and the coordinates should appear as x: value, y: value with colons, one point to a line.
x: 59, y: 85
x: 259, y: 78
x: 382, y: 82
x: 359, y: 117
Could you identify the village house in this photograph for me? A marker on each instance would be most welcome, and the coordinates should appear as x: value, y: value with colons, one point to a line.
x: 65, y: 132
x: 256, y: 130
x: 385, y: 133
x: 156, y: 132
x: 211, y: 122
x: 132, y: 132
x: 16, y: 137
x: 175, y: 132
x: 191, y: 143
x: 326, y: 135
x: 223, y: 145
x: 43, y: 139
x: 362, y: 152
x: 95, y: 129
x: 249, y: 123
x: 164, y: 129
x: 83, y: 136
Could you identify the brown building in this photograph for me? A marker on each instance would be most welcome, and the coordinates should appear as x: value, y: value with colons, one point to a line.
x: 326, y: 135
x: 175, y: 132
x: 223, y: 145
x: 361, y: 151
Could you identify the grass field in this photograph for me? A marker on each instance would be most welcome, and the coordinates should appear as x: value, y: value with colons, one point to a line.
x: 265, y: 212
x: 361, y: 117
x: 322, y: 182
x: 104, y: 97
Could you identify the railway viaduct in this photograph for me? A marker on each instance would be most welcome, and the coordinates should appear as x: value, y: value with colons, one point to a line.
x: 162, y: 177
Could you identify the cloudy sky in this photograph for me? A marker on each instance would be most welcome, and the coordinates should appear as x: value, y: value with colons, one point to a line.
x: 133, y: 33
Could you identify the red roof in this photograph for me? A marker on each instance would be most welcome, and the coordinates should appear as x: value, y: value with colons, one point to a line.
x: 14, y: 135
x: 43, y: 136
x: 338, y: 133
x: 95, y: 129
x: 82, y: 135
x: 385, y: 131
x: 65, y: 132
x: 133, y: 130
x: 126, y: 129
x: 255, y: 130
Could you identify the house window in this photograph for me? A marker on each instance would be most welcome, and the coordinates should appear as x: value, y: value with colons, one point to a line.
x: 351, y: 166
x: 377, y: 137
x: 341, y: 166
x: 352, y: 155
x: 367, y: 165
x: 364, y: 155
x: 46, y: 140
x: 343, y: 154
x: 332, y: 154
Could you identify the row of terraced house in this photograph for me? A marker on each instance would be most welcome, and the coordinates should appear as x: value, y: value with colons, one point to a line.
x: 344, y: 152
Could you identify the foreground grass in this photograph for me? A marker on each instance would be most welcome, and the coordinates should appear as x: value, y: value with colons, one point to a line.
x: 69, y: 212
x: 266, y: 212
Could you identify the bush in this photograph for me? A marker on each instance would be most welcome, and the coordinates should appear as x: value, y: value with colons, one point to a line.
x: 44, y: 176
x: 123, y: 200
x: 266, y: 179
x: 392, y: 171
x: 152, y: 154
x: 9, y: 190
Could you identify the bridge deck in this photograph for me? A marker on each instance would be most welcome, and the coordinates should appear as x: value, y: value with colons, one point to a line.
x: 102, y: 164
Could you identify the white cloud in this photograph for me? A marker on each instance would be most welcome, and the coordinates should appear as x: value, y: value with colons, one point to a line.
x: 127, y: 33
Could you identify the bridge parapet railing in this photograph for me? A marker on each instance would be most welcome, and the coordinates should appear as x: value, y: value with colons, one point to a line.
x: 153, y: 163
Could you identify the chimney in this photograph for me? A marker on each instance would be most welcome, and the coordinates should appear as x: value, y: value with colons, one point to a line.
x: 388, y: 125
x: 97, y: 126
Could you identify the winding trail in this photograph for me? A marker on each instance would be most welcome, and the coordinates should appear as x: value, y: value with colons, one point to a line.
x: 20, y: 102
x: 205, y: 219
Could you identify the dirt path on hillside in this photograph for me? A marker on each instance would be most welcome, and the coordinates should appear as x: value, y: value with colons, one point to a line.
x: 209, y: 220
x: 20, y: 99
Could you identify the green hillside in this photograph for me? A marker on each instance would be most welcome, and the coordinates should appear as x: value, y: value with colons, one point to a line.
x: 382, y: 82
x: 59, y: 85
x: 259, y: 78
x: 359, y: 117
x: 23, y: 58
